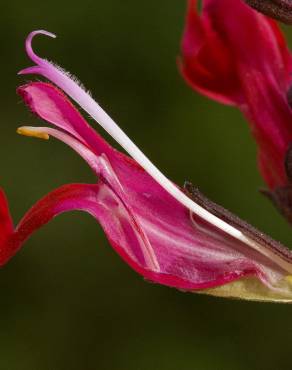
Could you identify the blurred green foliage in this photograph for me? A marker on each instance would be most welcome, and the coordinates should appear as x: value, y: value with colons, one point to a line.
x: 67, y: 300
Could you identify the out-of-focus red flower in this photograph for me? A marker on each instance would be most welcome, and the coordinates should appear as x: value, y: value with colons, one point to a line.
x: 237, y: 56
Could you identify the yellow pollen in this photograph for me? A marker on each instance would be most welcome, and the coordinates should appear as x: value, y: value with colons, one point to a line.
x: 27, y: 131
x: 289, y: 279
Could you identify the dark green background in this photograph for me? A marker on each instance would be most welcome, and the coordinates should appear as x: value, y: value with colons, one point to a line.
x: 67, y: 300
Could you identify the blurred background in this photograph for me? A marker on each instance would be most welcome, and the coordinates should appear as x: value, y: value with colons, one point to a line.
x: 67, y: 300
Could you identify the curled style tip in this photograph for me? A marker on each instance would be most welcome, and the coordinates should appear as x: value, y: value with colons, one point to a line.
x: 28, y: 44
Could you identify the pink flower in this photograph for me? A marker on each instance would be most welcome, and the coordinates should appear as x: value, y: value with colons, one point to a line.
x: 237, y: 56
x: 171, y: 236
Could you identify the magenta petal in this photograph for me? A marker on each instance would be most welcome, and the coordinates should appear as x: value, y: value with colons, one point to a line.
x: 65, y: 198
x: 50, y: 104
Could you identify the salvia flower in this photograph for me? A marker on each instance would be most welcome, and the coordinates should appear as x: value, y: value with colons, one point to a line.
x: 237, y: 56
x: 171, y: 236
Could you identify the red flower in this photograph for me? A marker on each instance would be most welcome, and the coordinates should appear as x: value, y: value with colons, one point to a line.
x: 237, y: 56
